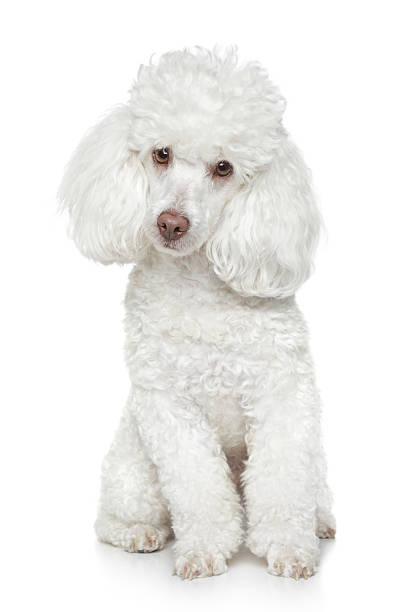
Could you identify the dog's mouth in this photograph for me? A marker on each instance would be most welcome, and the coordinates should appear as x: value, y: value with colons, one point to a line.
x: 185, y: 245
x: 180, y: 246
x: 171, y: 244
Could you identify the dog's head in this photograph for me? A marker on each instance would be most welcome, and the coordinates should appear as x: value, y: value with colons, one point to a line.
x: 198, y: 158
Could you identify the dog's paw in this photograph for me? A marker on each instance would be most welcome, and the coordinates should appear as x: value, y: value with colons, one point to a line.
x: 144, y: 538
x: 291, y: 567
x: 200, y: 566
x: 292, y: 563
x: 325, y: 531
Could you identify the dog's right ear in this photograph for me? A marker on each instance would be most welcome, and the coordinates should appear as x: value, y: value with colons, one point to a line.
x: 104, y: 189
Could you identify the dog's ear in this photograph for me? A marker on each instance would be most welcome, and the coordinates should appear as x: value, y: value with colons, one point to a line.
x: 104, y: 190
x: 265, y: 242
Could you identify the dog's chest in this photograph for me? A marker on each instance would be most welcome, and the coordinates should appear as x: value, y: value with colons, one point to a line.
x: 187, y: 328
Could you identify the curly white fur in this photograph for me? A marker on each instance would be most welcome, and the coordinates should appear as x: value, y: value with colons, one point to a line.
x: 222, y: 383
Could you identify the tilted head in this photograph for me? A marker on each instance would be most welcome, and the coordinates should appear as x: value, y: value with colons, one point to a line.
x: 198, y: 159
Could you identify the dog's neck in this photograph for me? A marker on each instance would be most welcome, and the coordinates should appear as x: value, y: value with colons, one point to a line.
x: 192, y: 277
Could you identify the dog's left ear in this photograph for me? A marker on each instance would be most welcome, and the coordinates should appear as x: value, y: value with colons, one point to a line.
x: 265, y: 241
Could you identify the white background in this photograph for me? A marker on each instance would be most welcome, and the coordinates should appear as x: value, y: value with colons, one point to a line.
x: 342, y: 67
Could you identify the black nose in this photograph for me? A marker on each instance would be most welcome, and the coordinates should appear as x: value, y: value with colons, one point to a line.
x: 172, y: 225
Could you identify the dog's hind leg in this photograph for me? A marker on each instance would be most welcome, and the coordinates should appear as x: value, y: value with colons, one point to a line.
x: 132, y: 513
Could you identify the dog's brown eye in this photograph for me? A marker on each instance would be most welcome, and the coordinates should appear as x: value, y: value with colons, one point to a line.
x: 162, y: 156
x: 223, y: 168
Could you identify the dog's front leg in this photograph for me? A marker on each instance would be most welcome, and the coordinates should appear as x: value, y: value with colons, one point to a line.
x: 281, y: 476
x: 195, y: 480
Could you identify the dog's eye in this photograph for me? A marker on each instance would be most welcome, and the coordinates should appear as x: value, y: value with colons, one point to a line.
x: 162, y: 156
x: 223, y: 168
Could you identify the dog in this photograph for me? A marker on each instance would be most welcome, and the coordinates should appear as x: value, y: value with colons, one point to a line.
x: 197, y: 184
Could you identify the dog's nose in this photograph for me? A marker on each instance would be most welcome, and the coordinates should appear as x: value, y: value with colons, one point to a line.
x: 172, y: 225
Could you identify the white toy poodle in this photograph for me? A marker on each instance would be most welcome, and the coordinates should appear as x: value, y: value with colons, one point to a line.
x: 197, y: 184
